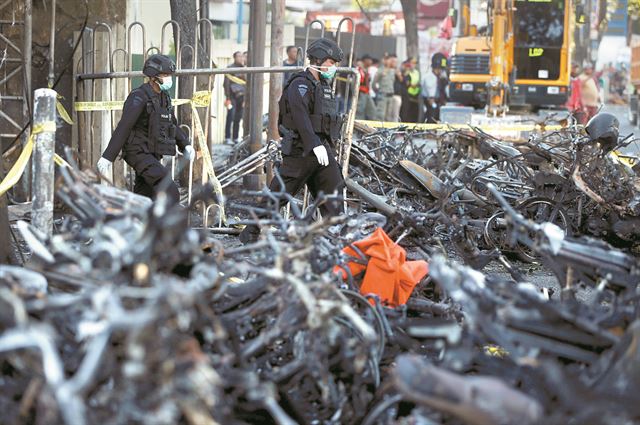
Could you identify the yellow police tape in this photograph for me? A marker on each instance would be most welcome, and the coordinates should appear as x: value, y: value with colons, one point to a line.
x: 201, y: 99
x: 63, y: 112
x: 235, y: 79
x: 60, y: 161
x: 628, y: 160
x: 424, y: 126
x: 104, y: 105
x: 14, y: 174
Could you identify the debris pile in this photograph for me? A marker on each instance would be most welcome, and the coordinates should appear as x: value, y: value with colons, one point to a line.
x: 128, y: 315
x: 561, y: 177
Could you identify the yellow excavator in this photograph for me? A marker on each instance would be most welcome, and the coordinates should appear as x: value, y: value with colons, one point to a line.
x: 521, y: 58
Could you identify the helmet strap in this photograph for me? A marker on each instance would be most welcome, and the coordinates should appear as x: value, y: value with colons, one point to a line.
x: 314, y: 68
x: 157, y: 81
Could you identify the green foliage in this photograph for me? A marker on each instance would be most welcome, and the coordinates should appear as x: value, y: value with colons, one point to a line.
x: 634, y: 9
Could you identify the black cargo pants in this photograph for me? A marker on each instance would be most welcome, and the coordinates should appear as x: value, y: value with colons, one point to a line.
x: 298, y: 171
x: 151, y: 176
x: 295, y: 173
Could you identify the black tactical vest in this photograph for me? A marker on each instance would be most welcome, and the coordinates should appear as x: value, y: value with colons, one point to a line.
x: 325, y: 117
x: 156, y: 130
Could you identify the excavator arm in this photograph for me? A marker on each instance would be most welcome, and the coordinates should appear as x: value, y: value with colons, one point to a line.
x: 501, y: 58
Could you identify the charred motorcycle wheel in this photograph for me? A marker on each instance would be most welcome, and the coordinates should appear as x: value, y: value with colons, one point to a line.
x: 536, y: 209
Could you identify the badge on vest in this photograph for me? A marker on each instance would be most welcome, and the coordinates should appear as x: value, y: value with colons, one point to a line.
x: 302, y: 90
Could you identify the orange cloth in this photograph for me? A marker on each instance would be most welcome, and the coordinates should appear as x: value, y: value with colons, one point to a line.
x: 388, y: 274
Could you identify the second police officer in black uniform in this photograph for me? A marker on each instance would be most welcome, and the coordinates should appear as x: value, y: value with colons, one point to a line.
x: 148, y: 131
x: 310, y: 125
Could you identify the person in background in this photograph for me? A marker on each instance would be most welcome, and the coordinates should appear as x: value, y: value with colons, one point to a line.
x: 617, y: 82
x: 234, y: 91
x: 411, y: 101
x: 366, y: 107
x: 434, y: 88
x: 589, y: 92
x: 342, y: 87
x: 383, y: 84
x: 398, y: 90
x: 147, y: 131
x: 373, y: 70
x: 291, y: 60
x: 574, y: 103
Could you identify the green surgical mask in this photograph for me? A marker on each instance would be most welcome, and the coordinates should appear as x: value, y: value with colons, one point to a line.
x: 167, y: 83
x: 329, y: 73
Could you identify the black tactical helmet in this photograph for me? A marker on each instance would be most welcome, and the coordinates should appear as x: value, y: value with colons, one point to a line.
x: 158, y: 64
x: 604, y: 129
x: 323, y: 48
x: 438, y: 60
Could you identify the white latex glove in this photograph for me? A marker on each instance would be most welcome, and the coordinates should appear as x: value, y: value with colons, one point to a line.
x: 321, y: 154
x: 104, y: 167
x: 189, y: 153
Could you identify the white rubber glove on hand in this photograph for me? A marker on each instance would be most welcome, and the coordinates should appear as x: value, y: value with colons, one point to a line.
x: 104, y: 167
x: 321, y: 154
x: 189, y: 153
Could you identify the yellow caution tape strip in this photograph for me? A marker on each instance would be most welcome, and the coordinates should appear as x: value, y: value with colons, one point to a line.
x: 424, y: 126
x: 14, y: 174
x: 60, y: 161
x: 200, y: 99
x: 235, y: 79
x: 241, y: 81
x: 628, y: 160
x: 60, y: 108
x: 62, y: 111
x: 111, y: 105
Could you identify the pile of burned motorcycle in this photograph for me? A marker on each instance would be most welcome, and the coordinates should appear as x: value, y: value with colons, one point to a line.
x: 129, y: 315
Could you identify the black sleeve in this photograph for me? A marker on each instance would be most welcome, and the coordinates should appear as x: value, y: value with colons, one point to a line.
x: 227, y: 87
x: 299, y: 95
x: 133, y: 107
x: 181, y: 137
x: 442, y: 89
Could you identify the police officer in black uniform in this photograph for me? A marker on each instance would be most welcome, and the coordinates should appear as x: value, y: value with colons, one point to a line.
x: 148, y: 130
x: 310, y: 125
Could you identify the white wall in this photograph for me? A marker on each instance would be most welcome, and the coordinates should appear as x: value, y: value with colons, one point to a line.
x: 152, y: 14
